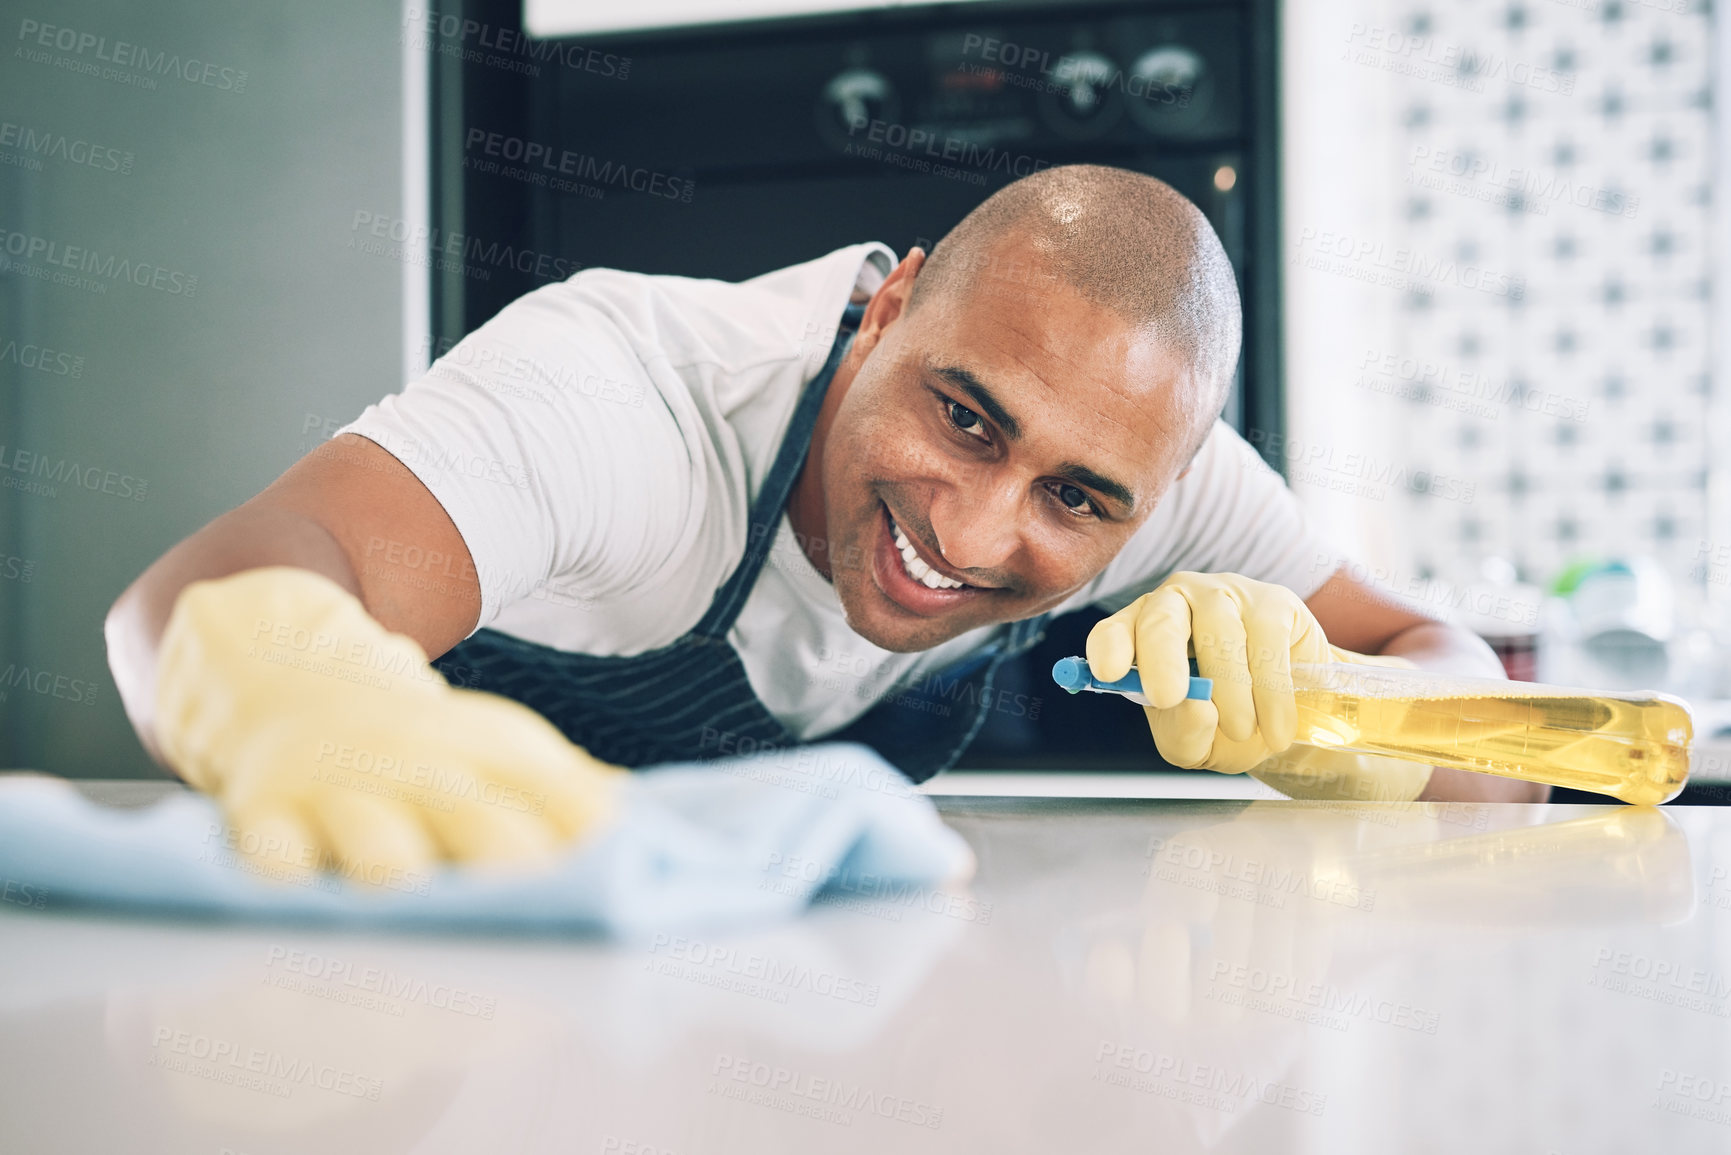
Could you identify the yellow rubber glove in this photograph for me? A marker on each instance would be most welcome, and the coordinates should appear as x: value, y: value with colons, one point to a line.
x: 1246, y: 635
x: 1318, y: 772
x: 330, y: 740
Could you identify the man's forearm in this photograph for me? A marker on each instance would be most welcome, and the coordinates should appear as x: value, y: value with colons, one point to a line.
x: 1451, y: 650
x: 247, y: 538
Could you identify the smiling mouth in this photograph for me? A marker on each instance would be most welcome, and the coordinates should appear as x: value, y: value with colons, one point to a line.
x: 915, y: 566
x: 904, y: 573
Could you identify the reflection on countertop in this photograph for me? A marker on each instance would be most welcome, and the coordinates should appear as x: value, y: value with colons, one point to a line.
x: 1123, y: 975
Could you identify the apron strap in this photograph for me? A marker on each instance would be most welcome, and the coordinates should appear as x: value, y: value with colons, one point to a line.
x: 771, y: 501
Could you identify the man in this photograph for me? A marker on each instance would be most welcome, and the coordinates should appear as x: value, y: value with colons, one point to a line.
x: 664, y: 512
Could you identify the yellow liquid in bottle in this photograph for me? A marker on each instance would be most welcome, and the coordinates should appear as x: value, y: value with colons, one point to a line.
x: 1633, y: 747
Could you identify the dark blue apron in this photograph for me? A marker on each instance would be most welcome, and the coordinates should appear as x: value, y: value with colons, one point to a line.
x: 690, y: 700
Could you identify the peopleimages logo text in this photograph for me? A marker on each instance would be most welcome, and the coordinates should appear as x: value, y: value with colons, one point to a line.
x: 62, y: 471
x: 418, y: 240
x: 497, y: 46
x: 135, y: 56
x: 58, y: 146
x: 543, y: 158
x: 30, y: 248
x: 945, y: 147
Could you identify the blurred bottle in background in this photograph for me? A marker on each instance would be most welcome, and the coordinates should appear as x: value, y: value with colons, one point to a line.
x: 1507, y: 613
x: 1623, y: 624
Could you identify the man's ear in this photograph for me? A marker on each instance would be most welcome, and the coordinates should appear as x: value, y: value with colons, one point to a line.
x: 890, y: 303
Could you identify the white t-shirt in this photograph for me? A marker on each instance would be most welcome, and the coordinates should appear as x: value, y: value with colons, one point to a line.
x: 599, y: 442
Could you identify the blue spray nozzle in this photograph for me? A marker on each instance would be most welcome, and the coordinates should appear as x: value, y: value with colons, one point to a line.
x: 1074, y: 675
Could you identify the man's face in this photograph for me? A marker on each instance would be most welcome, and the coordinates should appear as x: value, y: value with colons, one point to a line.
x: 1015, y: 434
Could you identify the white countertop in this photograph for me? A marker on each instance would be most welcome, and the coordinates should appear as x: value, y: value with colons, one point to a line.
x: 1122, y: 976
x: 1082, y: 784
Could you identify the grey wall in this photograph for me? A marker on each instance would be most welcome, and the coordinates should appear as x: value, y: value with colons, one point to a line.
x: 204, y: 398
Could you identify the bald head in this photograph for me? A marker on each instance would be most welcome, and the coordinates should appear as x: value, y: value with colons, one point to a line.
x: 1126, y: 241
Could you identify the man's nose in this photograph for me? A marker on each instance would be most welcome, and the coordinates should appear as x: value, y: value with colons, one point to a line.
x: 977, y: 525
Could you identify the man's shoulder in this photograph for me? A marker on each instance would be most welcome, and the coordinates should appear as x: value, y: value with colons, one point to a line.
x: 782, y: 314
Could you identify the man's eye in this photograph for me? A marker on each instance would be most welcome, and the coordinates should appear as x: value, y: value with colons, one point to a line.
x: 1074, y: 498
x: 965, y: 419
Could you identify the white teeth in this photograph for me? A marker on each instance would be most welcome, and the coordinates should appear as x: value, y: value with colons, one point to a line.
x: 916, y: 566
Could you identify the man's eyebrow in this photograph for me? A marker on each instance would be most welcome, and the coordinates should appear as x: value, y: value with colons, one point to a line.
x: 1070, y: 471
x: 1105, y: 486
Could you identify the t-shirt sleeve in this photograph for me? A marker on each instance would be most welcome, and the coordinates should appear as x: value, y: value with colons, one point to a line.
x: 1230, y: 514
x: 550, y: 446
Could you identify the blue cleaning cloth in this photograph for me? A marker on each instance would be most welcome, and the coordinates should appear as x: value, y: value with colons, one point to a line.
x: 738, y: 841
